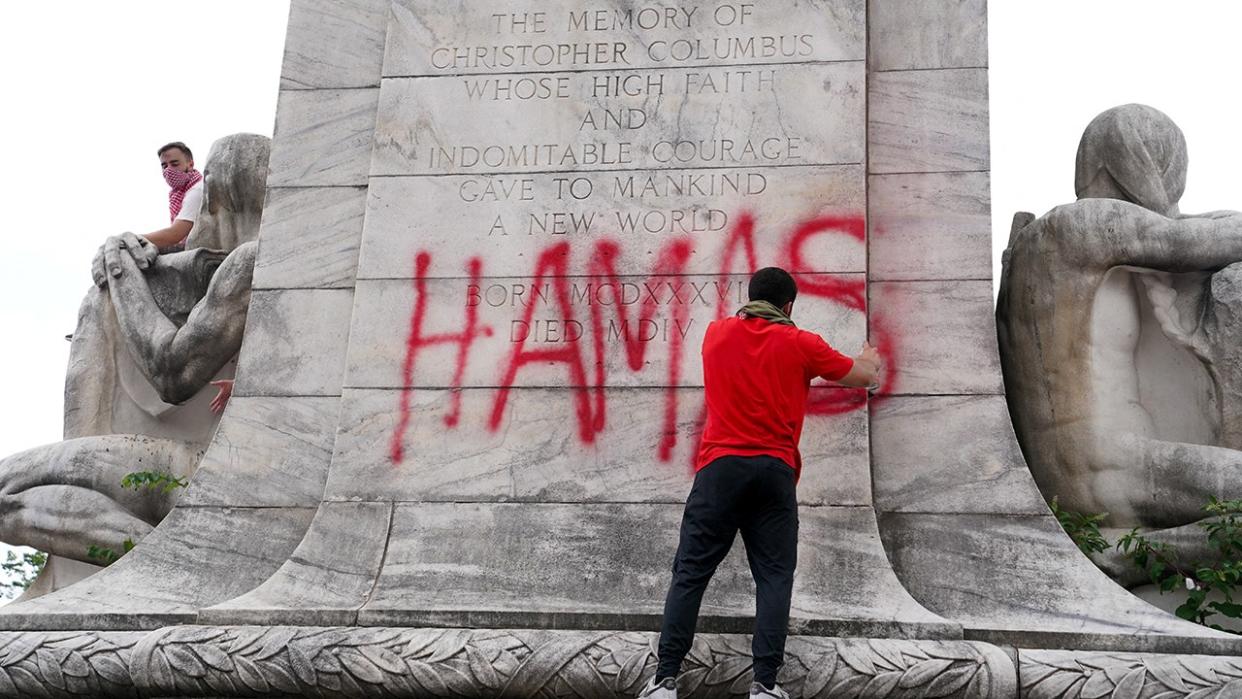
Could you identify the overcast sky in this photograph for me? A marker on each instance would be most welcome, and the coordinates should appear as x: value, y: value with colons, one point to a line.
x: 94, y: 88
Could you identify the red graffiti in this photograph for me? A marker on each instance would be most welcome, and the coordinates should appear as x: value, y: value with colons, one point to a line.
x: 553, y: 262
x: 669, y: 271
x: 671, y: 262
x: 416, y: 342
x: 743, y: 233
x: 848, y: 292
x: 851, y: 292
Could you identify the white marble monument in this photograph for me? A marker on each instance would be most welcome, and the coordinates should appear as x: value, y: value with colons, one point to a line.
x: 469, y: 389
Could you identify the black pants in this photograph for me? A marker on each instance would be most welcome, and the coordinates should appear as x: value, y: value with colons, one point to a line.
x: 757, y: 496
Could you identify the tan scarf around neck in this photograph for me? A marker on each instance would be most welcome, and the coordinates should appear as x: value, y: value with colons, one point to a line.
x: 767, y: 311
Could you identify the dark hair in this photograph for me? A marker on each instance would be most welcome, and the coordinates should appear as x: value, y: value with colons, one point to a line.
x: 179, y: 146
x: 774, y: 285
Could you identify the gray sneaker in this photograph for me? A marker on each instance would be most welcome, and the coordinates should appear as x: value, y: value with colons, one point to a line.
x: 667, y: 689
x: 758, y: 690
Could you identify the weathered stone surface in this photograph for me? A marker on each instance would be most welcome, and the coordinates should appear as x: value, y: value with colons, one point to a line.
x: 423, y: 127
x: 948, y: 454
x: 941, y: 336
x: 640, y: 213
x: 57, y: 572
x: 270, y: 452
x: 339, y: 662
x: 526, y: 314
x: 928, y: 121
x: 477, y: 564
x: 311, y: 238
x: 1030, y: 586
x: 927, y: 34
x: 1078, y: 674
x: 533, y: 454
x: 845, y: 585
x: 424, y: 37
x: 323, y: 137
x: 295, y: 343
x: 328, y: 577
x: 334, y: 43
x: 930, y: 226
x: 196, y: 557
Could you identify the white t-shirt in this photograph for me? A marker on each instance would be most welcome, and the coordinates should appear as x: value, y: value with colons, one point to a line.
x: 190, y: 204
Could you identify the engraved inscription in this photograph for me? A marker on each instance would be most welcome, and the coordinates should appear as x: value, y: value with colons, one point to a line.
x: 437, y: 39
x: 602, y: 180
x: 806, y: 114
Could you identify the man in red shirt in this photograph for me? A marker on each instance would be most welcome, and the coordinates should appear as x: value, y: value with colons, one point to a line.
x: 757, y: 369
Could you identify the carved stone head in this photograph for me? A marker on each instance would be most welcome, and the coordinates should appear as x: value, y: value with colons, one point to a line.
x: 235, y: 185
x: 1134, y: 153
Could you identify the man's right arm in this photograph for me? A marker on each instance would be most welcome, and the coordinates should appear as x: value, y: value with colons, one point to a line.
x: 866, y: 369
x: 827, y: 363
x: 167, y: 237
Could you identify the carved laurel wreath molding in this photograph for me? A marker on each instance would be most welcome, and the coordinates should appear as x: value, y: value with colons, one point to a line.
x: 67, y: 664
x: 355, y: 662
x: 1046, y: 674
x: 191, y: 661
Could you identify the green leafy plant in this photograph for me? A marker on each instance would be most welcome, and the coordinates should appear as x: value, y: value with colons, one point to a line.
x: 1165, y: 566
x: 1083, y: 529
x: 153, y: 480
x: 138, y: 480
x: 107, y: 556
x: 20, y: 571
x: 1166, y: 570
x: 104, y: 556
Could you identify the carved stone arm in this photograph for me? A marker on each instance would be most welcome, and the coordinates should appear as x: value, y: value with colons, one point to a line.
x: 181, y: 360
x: 1105, y: 233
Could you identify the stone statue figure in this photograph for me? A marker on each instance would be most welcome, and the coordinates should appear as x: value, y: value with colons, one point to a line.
x: 150, y: 336
x: 1118, y: 341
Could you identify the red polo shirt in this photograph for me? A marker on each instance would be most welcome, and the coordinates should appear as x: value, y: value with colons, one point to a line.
x: 757, y: 375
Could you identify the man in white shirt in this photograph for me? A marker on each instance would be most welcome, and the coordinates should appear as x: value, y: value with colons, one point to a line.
x: 185, y: 197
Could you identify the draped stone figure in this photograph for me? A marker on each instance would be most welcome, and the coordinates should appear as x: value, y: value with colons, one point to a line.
x: 1118, y: 341
x: 150, y: 336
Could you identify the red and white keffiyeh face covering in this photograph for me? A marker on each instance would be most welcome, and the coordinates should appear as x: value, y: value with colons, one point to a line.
x: 180, y: 183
